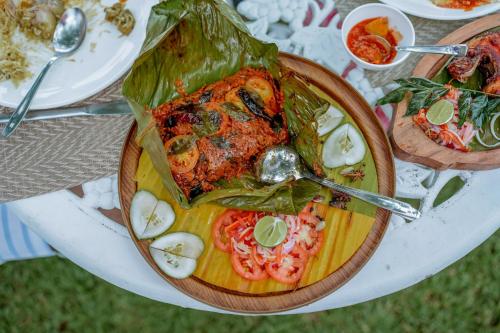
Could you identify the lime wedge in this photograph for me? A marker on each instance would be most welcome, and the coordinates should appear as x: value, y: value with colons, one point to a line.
x: 440, y: 112
x: 270, y: 231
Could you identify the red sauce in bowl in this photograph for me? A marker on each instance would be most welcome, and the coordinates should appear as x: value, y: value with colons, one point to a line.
x: 361, y: 41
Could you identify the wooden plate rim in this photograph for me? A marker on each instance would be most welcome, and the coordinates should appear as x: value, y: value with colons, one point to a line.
x: 431, y: 153
x: 260, y: 304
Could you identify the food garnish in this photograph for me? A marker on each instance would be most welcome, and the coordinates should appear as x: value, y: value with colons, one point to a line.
x: 121, y: 17
x: 472, y: 109
x: 353, y: 173
x: 344, y: 146
x: 460, y: 4
x: 270, y: 231
x: 176, y: 254
x: 373, y: 40
x: 182, y: 153
x: 234, y: 232
x: 339, y: 200
x: 440, y: 112
x: 328, y: 120
x: 494, y: 132
x: 149, y: 216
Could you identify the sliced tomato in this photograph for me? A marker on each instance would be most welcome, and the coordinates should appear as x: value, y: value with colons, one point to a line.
x: 261, y: 87
x: 290, y: 268
x: 219, y: 230
x: 308, y: 217
x: 263, y: 255
x: 215, y: 117
x: 247, y: 267
x: 309, y: 239
x: 182, y: 153
x: 313, y: 242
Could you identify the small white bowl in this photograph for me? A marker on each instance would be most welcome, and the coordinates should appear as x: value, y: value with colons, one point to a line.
x: 397, y: 21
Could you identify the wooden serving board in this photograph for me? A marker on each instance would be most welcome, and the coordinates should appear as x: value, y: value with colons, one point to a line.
x: 409, y: 141
x: 350, y: 238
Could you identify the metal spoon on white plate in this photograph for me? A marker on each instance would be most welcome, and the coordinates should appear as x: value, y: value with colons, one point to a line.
x: 278, y: 164
x: 68, y: 37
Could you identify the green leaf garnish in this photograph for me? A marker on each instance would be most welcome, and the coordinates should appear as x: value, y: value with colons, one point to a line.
x: 464, y: 107
x: 394, y: 96
x: 479, y: 105
x: 417, y: 101
x: 473, y: 105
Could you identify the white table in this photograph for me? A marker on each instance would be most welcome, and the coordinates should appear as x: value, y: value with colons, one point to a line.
x: 408, y: 253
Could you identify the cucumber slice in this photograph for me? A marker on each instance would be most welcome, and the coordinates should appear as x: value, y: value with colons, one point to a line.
x: 330, y: 119
x: 344, y: 146
x: 176, y: 253
x: 175, y: 266
x: 149, y: 216
x: 161, y: 220
x: 181, y: 244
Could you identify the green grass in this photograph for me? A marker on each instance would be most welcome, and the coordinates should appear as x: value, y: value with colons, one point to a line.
x: 54, y: 295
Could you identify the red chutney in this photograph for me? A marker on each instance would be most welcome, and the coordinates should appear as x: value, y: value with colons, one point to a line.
x: 370, y: 49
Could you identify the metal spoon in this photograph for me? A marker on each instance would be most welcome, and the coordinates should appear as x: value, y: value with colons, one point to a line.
x: 459, y: 50
x: 279, y: 164
x: 68, y: 36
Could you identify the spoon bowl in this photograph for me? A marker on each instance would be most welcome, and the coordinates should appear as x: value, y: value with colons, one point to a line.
x: 70, y: 32
x: 278, y: 164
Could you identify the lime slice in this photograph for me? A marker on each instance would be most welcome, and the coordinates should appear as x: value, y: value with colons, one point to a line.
x: 440, y: 112
x: 270, y: 231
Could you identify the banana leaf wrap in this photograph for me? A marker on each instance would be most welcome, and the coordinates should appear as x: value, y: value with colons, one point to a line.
x: 302, y: 107
x: 198, y: 42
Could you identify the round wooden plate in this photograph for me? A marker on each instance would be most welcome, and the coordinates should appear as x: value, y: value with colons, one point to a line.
x: 409, y: 141
x: 337, y: 88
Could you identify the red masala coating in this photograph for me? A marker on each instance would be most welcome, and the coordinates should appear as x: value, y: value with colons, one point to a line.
x: 218, y: 132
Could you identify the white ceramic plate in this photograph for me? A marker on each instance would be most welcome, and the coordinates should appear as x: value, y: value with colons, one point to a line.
x: 102, y: 59
x: 425, y: 9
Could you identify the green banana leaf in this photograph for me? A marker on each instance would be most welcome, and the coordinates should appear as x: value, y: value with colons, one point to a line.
x: 199, y: 42
x: 302, y: 106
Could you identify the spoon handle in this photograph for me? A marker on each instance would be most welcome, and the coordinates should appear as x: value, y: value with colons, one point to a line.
x: 24, y: 106
x: 397, y: 207
x: 454, y: 49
